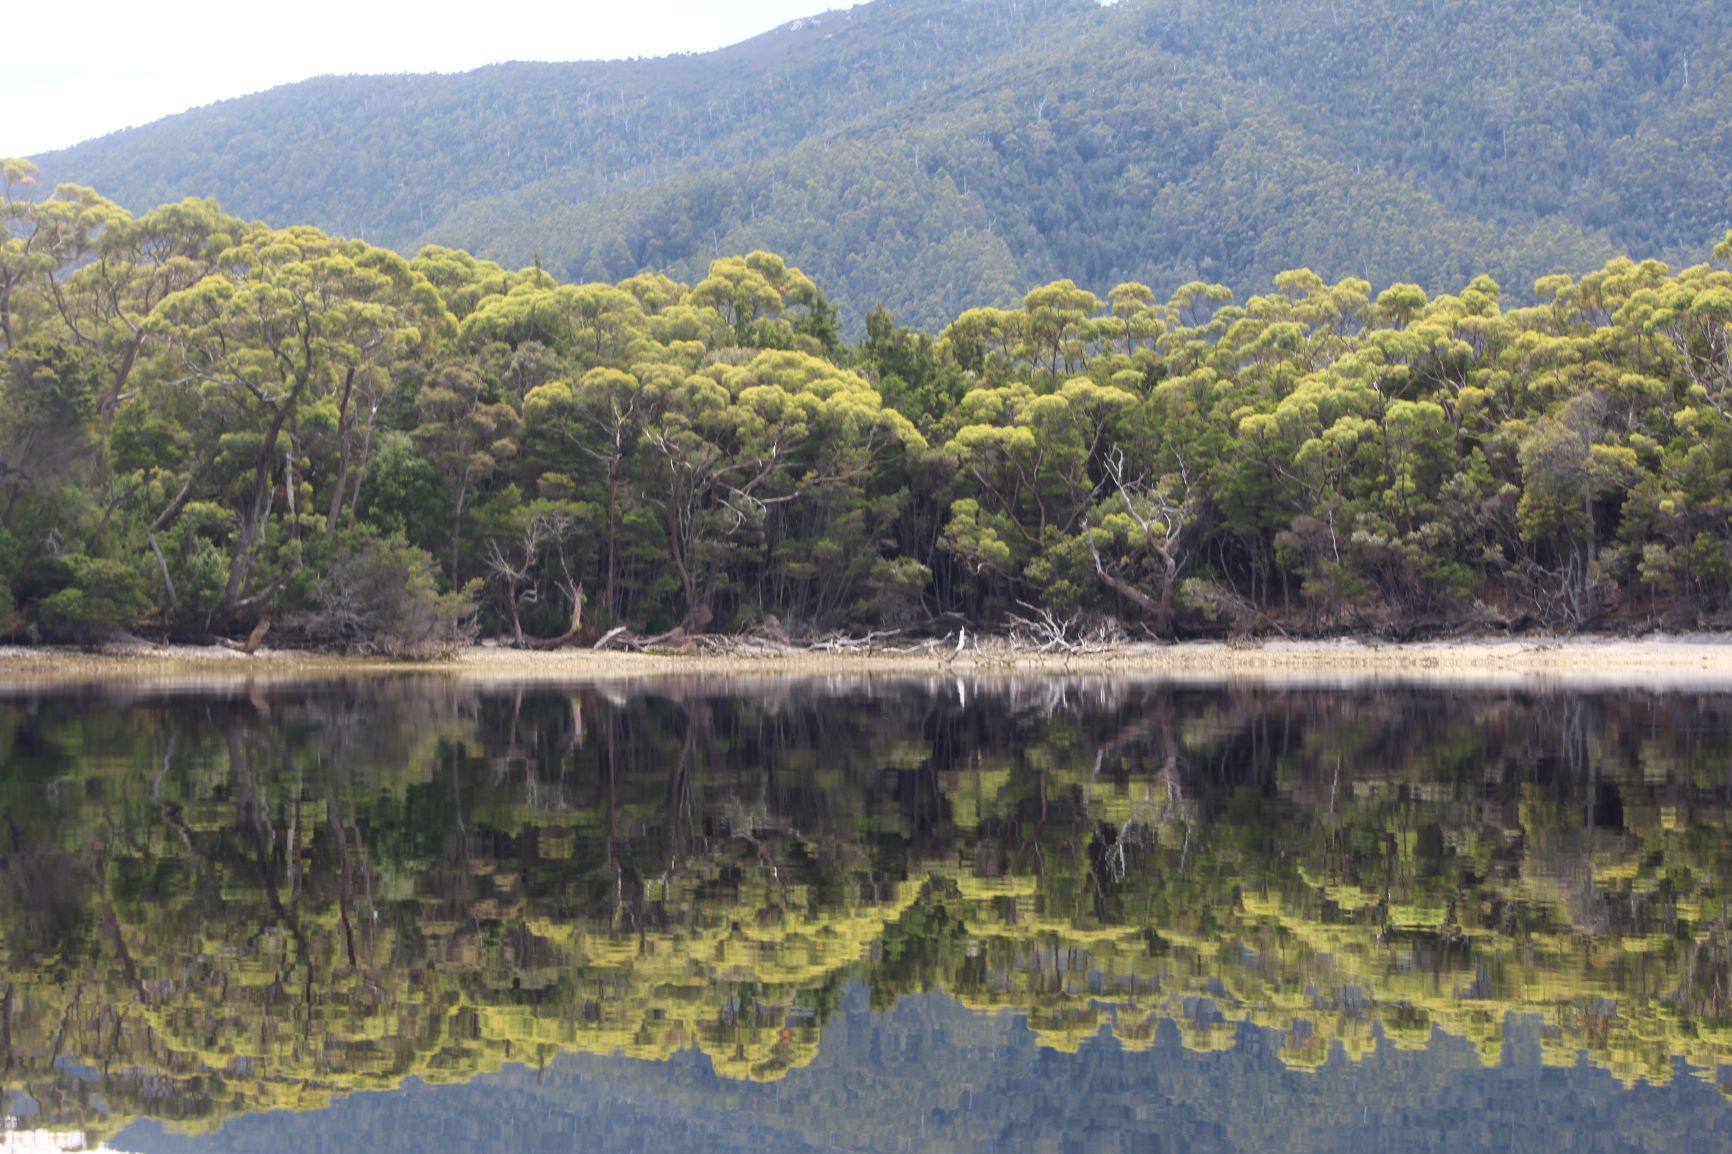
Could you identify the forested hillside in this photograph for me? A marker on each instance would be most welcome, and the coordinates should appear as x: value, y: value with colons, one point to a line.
x: 207, y: 425
x: 934, y: 155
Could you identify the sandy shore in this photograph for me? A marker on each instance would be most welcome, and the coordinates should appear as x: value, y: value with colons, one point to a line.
x: 1678, y: 660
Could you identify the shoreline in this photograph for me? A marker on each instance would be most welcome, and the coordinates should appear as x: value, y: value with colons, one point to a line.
x: 1704, y: 659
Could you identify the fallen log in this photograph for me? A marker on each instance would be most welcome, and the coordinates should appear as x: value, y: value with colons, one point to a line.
x: 611, y: 636
x: 251, y: 644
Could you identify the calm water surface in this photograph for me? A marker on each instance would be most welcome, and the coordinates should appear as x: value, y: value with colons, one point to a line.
x: 408, y: 914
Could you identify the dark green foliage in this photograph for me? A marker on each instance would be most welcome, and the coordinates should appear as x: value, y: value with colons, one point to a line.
x: 103, y: 597
x: 906, y: 365
x: 404, y: 494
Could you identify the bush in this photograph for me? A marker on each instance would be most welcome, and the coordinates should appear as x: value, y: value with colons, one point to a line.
x: 382, y: 595
x: 40, y: 578
x: 103, y: 598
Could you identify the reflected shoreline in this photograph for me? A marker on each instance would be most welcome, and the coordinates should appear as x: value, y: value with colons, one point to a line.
x: 279, y: 894
x: 891, y: 1079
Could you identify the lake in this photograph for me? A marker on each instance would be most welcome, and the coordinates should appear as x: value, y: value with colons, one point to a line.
x: 884, y: 913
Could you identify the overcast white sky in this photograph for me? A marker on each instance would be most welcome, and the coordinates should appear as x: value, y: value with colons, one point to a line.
x: 71, y: 72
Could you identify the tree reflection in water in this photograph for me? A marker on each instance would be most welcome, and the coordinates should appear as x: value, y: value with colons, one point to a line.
x: 218, y: 903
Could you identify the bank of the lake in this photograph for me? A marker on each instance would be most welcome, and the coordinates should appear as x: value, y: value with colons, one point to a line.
x: 1578, y: 659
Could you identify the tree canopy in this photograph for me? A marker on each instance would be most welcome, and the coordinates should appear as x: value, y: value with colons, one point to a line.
x: 206, y: 421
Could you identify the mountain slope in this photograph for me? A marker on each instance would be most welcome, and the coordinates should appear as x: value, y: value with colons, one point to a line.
x: 385, y: 157
x: 935, y: 155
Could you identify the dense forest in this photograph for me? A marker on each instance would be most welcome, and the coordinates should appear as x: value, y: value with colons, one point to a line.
x: 207, y: 425
x: 261, y: 900
x: 932, y: 156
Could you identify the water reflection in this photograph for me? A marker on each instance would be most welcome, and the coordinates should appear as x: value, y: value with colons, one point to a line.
x: 218, y: 904
x: 930, y: 1075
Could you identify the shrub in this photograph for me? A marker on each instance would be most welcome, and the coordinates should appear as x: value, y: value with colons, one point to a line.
x: 381, y: 595
x: 103, y: 598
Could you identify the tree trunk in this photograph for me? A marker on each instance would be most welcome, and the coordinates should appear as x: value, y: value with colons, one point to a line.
x: 1164, y: 612
x: 1125, y: 588
x: 612, y: 535
x: 94, y: 542
x: 362, y: 465
x: 1161, y: 610
x: 167, y: 516
x: 168, y: 582
x: 111, y: 400
x: 344, y: 433
x: 679, y: 556
x: 257, y: 510
x: 571, y: 633
x: 457, y: 524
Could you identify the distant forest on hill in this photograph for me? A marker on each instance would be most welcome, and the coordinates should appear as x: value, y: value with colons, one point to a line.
x: 933, y: 156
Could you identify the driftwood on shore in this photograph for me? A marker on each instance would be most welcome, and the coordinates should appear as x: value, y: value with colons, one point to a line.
x: 254, y: 639
x: 764, y: 641
x: 1042, y: 633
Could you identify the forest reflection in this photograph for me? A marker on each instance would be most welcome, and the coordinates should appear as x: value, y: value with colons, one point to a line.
x: 217, y: 903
